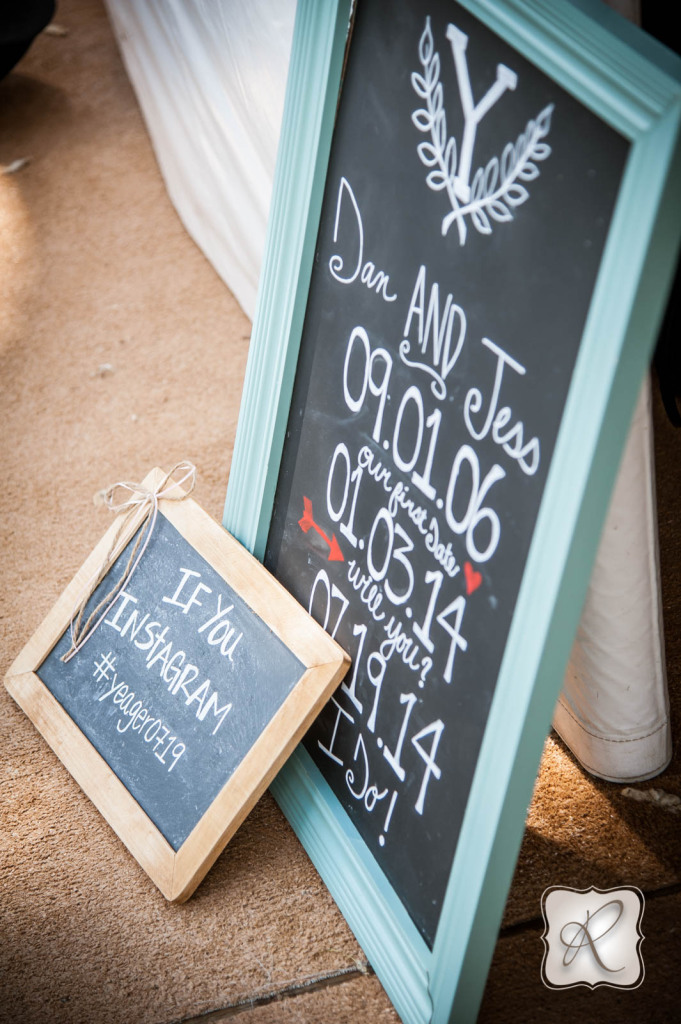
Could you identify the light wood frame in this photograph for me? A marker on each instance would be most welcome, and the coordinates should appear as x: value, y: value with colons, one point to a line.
x: 177, y: 873
x: 632, y: 84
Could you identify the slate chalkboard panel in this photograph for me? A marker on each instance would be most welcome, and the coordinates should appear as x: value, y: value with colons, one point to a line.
x: 177, y: 683
x: 197, y: 682
x: 444, y: 318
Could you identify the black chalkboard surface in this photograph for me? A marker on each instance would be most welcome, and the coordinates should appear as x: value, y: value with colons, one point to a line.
x: 199, y: 677
x: 444, y: 318
x: 176, y: 684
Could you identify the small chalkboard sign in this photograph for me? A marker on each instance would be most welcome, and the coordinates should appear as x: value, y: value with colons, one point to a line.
x: 472, y: 232
x: 179, y: 708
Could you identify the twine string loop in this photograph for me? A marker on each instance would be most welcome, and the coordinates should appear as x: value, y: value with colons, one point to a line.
x: 133, y: 498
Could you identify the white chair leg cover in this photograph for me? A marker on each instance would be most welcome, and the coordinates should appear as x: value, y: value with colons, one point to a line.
x: 210, y: 79
x: 613, y: 711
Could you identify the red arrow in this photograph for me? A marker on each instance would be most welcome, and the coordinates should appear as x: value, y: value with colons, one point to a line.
x: 307, y: 521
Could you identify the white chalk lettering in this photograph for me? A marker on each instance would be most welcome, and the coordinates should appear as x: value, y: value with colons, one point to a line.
x: 512, y: 441
x: 212, y: 705
x: 434, y: 327
x: 329, y: 750
x: 122, y: 602
x: 134, y: 714
x: 375, y: 280
x: 193, y: 599
x: 473, y: 113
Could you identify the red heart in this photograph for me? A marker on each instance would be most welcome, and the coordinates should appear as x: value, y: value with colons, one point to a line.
x: 473, y: 578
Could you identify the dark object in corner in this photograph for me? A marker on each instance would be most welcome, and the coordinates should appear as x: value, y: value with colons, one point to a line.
x: 659, y: 21
x: 668, y: 353
x: 20, y: 23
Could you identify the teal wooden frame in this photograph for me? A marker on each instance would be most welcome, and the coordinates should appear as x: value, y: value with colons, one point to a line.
x: 634, y: 85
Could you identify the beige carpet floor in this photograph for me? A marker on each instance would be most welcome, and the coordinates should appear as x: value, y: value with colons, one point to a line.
x: 121, y: 349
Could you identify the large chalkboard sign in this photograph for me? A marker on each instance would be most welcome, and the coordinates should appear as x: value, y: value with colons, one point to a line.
x: 435, y: 361
x: 187, y: 696
x: 450, y: 384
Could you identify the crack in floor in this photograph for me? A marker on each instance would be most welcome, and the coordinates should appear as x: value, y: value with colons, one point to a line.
x: 312, y: 984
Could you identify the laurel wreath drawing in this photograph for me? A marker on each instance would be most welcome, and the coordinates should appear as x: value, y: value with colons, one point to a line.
x: 496, y: 189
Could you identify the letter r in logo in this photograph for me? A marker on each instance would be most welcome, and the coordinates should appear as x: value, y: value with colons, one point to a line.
x: 592, y: 937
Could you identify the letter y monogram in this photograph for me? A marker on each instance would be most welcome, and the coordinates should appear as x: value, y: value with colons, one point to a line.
x: 496, y: 188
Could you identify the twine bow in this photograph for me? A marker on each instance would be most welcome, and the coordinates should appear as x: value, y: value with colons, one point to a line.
x: 138, y: 497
